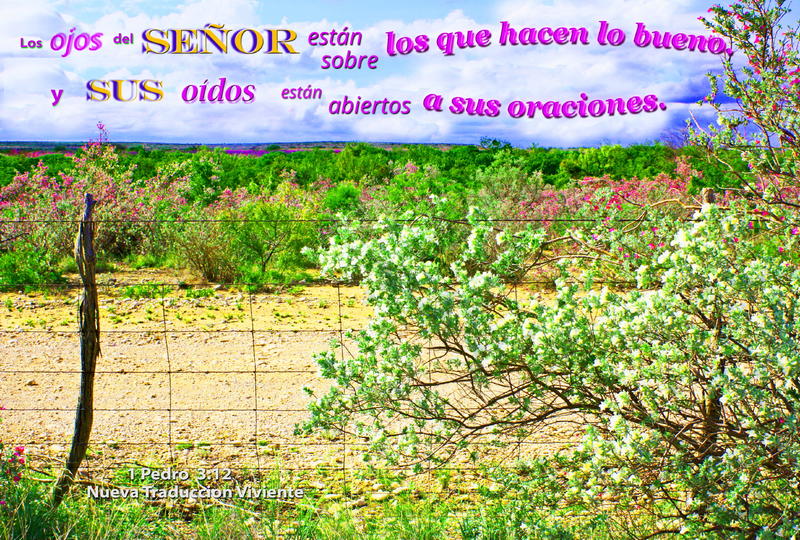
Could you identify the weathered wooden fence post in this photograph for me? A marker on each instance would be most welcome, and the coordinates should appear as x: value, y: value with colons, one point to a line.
x: 89, y: 320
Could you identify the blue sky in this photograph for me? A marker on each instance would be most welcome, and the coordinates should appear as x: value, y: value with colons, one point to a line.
x: 505, y: 74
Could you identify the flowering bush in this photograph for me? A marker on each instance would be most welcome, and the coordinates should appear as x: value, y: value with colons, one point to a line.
x: 11, y: 468
x: 762, y: 122
x: 686, y: 386
x: 45, y: 208
x: 594, y: 199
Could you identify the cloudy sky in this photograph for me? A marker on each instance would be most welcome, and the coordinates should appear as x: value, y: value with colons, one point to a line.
x: 503, y: 73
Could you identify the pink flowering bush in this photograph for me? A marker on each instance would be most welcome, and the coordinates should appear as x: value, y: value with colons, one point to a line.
x: 763, y: 78
x: 46, y: 207
x: 604, y: 199
x: 12, y: 465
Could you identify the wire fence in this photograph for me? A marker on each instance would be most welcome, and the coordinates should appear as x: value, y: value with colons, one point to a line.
x: 242, y: 376
x: 208, y: 378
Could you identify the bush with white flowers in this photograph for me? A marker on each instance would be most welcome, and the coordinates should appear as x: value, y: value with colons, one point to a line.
x: 685, y: 385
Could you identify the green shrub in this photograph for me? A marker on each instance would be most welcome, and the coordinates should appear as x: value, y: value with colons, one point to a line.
x: 199, y: 293
x: 147, y: 260
x: 264, y: 235
x: 344, y: 198
x: 205, y: 248
x: 26, y: 268
x: 143, y: 290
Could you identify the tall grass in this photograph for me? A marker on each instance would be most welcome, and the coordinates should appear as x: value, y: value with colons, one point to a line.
x: 28, y: 515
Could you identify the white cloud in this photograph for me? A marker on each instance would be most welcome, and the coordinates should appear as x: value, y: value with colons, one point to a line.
x: 539, y: 72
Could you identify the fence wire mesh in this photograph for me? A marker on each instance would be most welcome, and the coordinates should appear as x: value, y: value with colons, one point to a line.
x: 208, y: 378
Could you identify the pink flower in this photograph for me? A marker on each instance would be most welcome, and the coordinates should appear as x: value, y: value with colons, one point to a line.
x: 781, y: 250
x: 750, y: 225
x: 735, y: 238
x: 2, y: 502
x: 19, y: 450
x: 795, y: 230
x: 17, y: 478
